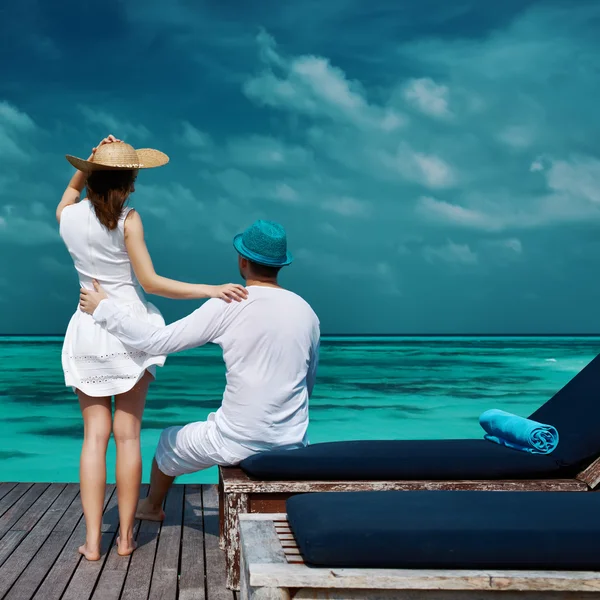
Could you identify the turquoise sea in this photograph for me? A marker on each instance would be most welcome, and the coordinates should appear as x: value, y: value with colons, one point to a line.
x: 367, y: 387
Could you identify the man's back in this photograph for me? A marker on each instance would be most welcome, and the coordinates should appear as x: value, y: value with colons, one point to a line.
x: 270, y: 346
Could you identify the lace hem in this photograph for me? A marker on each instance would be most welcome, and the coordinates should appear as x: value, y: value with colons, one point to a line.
x: 96, y: 358
x: 96, y: 379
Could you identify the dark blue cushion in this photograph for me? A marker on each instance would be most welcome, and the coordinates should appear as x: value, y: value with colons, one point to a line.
x: 574, y: 411
x: 448, y: 530
x: 401, y: 460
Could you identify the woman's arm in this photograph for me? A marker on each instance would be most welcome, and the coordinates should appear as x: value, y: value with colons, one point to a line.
x: 72, y: 194
x: 161, y: 286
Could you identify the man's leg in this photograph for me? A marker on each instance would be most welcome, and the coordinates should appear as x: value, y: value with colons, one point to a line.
x: 150, y: 508
x: 165, y: 467
x: 180, y: 450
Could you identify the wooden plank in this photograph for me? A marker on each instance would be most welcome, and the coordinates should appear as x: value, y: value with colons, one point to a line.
x: 216, y: 582
x: 235, y: 505
x: 221, y: 494
x: 591, y: 474
x: 299, y: 576
x: 74, y: 513
x: 86, y: 574
x: 5, y: 487
x: 274, y: 517
x: 59, y: 576
x: 192, y: 579
x: 110, y: 520
x: 9, y: 542
x: 229, y: 475
x: 166, y: 565
x: 115, y: 569
x: 301, y: 487
x: 39, y: 508
x: 20, y: 506
x: 259, y: 544
x: 268, y: 503
x: 12, y: 496
x: 19, y: 560
x: 374, y: 594
x: 65, y: 507
x: 139, y: 577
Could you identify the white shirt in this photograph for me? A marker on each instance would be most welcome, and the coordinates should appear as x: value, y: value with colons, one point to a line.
x: 270, y: 345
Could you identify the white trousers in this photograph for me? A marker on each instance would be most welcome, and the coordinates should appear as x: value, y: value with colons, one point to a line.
x: 195, y: 447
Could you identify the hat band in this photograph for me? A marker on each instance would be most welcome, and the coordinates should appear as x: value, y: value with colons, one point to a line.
x: 121, y: 166
x: 261, y: 258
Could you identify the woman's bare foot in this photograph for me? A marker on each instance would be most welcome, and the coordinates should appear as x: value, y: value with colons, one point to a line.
x: 91, y: 554
x: 147, y: 512
x: 125, y: 548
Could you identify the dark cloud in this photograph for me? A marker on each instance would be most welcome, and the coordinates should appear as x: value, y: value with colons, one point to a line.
x: 435, y: 163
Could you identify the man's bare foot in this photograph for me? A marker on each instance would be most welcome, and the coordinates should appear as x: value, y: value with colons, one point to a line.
x: 89, y: 553
x: 147, y: 512
x: 125, y: 548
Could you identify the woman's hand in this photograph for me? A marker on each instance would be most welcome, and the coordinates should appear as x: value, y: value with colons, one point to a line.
x: 89, y: 300
x: 228, y: 292
x: 72, y: 194
x: 109, y: 139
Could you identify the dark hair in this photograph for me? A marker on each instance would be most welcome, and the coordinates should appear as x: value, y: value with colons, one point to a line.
x: 108, y: 192
x: 264, y: 271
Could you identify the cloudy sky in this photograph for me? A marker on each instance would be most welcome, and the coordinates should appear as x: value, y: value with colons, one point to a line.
x: 436, y: 164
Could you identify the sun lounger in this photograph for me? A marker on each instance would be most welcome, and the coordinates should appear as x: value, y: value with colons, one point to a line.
x: 430, y: 545
x: 263, y: 482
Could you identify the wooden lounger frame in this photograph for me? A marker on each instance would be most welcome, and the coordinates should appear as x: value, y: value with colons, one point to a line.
x: 272, y: 569
x: 239, y: 494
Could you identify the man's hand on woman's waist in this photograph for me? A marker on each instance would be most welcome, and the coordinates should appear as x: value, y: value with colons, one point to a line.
x: 89, y: 300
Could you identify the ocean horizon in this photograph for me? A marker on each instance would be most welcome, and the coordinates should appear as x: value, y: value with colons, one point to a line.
x: 377, y: 335
x: 401, y: 386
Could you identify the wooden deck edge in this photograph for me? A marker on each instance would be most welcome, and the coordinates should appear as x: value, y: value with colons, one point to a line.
x: 301, y: 576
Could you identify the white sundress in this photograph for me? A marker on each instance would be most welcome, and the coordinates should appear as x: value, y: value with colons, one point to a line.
x: 94, y: 361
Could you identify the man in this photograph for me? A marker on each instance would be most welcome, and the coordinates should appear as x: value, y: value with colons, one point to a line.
x: 270, y: 344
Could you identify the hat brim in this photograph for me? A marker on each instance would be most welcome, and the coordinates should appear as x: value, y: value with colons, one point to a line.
x: 259, y: 259
x: 148, y: 159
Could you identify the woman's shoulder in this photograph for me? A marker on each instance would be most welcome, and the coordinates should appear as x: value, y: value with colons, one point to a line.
x: 130, y: 220
x: 128, y: 214
x: 73, y: 209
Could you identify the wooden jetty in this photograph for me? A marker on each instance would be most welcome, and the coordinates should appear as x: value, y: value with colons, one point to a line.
x: 42, y: 526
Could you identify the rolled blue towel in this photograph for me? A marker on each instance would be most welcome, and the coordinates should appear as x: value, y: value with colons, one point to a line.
x: 519, y: 433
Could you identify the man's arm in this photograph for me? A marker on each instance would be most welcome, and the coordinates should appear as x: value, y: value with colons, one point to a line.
x: 197, y: 329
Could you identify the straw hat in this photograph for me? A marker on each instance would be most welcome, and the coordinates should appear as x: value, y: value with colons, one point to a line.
x: 119, y: 155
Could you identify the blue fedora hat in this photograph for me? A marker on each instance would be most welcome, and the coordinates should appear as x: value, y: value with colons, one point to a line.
x: 264, y: 243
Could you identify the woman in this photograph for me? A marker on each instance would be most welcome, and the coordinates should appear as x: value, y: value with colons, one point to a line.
x: 106, y: 241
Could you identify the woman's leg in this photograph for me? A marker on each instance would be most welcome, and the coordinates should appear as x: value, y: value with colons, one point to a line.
x: 127, y: 424
x: 92, y: 468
